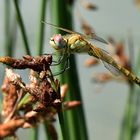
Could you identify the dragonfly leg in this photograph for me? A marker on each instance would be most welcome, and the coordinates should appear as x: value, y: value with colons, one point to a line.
x: 66, y: 67
x: 54, y: 53
x: 57, y: 62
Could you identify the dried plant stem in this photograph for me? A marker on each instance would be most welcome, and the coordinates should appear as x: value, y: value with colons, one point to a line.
x: 14, y: 109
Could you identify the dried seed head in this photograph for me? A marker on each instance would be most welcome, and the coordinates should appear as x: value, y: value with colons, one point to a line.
x: 120, y: 52
x: 15, y: 78
x: 91, y: 62
x: 120, y: 49
x: 137, y: 3
x: 89, y: 6
x: 35, y: 63
x: 102, y: 77
x: 71, y: 104
x: 10, y: 97
x: 64, y: 89
x: 30, y: 114
x: 10, y: 127
x: 87, y: 29
x: 33, y: 79
x: 7, y: 60
x: 27, y: 125
x: 43, y: 101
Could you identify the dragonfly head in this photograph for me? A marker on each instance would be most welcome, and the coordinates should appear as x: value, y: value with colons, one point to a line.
x: 57, y: 42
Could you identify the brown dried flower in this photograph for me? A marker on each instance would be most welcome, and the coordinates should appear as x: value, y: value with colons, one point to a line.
x: 39, y: 100
x: 91, y: 62
x: 88, y: 5
x: 102, y: 77
x: 71, y: 104
x: 9, y: 128
x: 35, y: 63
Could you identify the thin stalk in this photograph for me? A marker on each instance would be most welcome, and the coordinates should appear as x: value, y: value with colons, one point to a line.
x: 60, y: 113
x: 76, y: 116
x: 137, y: 101
x: 41, y: 27
x: 34, y: 132
x: 130, y: 120
x: 131, y: 50
x: 7, y: 10
x: 10, y: 30
x: 55, y: 19
x: 126, y: 130
x: 137, y: 68
x: 7, y: 23
x: 47, y: 130
x: 22, y: 28
x: 11, y: 39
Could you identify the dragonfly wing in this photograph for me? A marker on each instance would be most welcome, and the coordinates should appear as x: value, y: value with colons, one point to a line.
x: 60, y: 28
x: 111, y: 68
x: 91, y: 36
x: 107, y: 60
x: 95, y: 37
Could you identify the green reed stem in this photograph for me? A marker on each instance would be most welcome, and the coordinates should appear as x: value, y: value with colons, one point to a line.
x: 126, y: 130
x: 41, y: 27
x: 130, y: 120
x: 74, y: 120
x: 22, y: 28
x: 47, y: 130
x: 10, y: 30
x: 7, y: 10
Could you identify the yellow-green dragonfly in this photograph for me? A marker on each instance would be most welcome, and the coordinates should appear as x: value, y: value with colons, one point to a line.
x: 75, y: 42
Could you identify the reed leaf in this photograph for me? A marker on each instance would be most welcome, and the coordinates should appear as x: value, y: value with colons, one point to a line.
x: 73, y: 124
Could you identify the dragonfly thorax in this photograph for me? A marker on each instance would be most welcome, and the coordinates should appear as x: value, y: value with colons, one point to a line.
x: 57, y: 42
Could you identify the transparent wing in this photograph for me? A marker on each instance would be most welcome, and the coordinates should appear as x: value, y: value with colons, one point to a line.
x: 107, y: 61
x: 111, y: 68
x: 95, y: 37
x: 91, y: 36
x: 60, y: 28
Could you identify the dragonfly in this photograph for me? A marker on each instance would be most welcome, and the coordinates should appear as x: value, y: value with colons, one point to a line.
x: 75, y: 42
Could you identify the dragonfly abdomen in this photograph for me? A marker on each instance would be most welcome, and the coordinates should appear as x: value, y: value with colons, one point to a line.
x: 125, y: 72
x: 105, y: 57
x: 130, y: 75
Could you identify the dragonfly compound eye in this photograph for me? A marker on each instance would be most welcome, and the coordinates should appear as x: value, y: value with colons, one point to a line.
x: 57, y: 42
